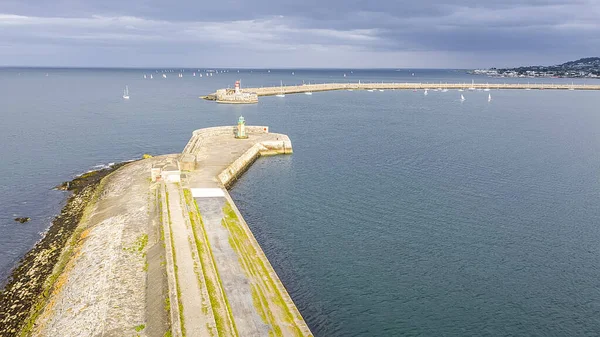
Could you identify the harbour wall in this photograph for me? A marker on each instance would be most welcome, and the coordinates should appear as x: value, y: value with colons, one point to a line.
x: 228, y: 177
x: 296, y: 89
x: 240, y: 165
x: 200, y: 135
x: 236, y: 156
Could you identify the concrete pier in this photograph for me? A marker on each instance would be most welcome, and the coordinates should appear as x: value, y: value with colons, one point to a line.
x: 223, y: 280
x: 162, y: 250
x: 296, y: 89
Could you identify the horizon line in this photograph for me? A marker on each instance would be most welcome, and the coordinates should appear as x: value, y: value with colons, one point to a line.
x: 224, y: 68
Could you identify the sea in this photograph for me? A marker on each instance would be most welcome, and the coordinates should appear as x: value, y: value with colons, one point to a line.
x: 398, y: 214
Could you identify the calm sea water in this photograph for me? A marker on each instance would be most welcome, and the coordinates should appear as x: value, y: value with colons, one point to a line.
x: 397, y: 214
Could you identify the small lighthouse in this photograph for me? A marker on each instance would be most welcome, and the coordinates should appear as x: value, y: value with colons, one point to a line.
x: 237, y: 87
x: 241, y: 127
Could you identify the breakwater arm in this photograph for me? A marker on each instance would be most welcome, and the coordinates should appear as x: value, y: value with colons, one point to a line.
x: 295, y: 89
x: 171, y: 255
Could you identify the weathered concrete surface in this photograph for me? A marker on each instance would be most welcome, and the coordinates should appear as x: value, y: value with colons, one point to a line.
x: 217, y: 153
x: 195, y: 322
x: 256, y: 298
x: 102, y: 289
x: 235, y: 283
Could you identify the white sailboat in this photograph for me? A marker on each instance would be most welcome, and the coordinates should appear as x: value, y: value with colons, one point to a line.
x: 489, y: 97
x: 164, y: 75
x: 461, y: 89
x: 370, y: 90
x: 425, y: 92
x: 308, y: 93
x: 462, y: 98
x: 151, y: 77
x: 281, y: 94
x: 126, y: 93
x: 444, y: 90
x: 472, y: 85
x: 144, y: 76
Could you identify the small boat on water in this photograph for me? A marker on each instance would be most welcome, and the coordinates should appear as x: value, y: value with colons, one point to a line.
x: 489, y: 97
x: 461, y: 90
x: 472, y: 85
x: 144, y: 76
x: 462, y: 98
x: 164, y: 75
x: 151, y: 76
x: 126, y: 93
x: 308, y: 93
x: 350, y: 89
x: 444, y: 90
x: 425, y: 92
x: 370, y: 90
x: 381, y: 90
x: 281, y: 94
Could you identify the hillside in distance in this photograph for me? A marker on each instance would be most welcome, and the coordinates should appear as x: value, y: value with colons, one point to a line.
x: 588, y: 67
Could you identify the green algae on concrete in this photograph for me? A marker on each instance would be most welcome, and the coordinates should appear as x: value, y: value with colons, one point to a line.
x: 254, y: 265
x: 220, y: 305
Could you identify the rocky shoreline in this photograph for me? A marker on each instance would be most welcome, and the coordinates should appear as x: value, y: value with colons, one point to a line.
x: 30, y: 282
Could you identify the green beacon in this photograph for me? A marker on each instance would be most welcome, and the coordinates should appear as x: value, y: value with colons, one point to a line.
x: 241, y: 128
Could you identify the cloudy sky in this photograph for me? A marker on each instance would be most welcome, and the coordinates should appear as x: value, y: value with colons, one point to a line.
x: 299, y: 33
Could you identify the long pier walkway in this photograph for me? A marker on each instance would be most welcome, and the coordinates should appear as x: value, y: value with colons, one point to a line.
x: 268, y: 91
x: 223, y: 283
x: 296, y: 89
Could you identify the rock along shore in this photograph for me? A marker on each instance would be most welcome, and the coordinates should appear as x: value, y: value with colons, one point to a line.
x: 30, y: 280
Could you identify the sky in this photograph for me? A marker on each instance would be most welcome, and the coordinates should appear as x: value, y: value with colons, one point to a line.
x: 295, y: 34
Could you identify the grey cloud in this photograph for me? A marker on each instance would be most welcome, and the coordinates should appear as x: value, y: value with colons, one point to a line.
x: 541, y: 31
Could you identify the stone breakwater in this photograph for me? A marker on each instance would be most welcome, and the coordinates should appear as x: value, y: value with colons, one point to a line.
x: 296, y: 89
x: 31, y: 281
x: 135, y: 256
x: 248, y: 298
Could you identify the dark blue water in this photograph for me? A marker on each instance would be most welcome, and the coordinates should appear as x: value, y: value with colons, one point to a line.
x: 397, y: 214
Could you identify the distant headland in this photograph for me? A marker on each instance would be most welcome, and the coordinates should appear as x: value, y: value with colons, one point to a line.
x: 588, y: 67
